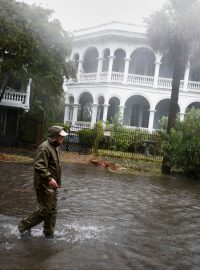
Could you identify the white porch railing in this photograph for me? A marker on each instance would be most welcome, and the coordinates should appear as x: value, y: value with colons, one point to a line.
x: 88, y: 77
x: 165, y: 83
x: 103, y: 76
x: 134, y: 79
x: 140, y: 80
x: 12, y: 97
x: 117, y: 77
x: 193, y: 86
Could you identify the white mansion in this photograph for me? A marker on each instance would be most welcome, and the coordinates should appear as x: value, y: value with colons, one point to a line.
x: 117, y: 70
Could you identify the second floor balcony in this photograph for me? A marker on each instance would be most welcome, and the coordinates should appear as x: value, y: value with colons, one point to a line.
x: 137, y: 80
x: 137, y: 66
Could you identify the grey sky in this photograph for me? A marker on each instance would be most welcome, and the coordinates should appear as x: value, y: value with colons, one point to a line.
x: 77, y: 14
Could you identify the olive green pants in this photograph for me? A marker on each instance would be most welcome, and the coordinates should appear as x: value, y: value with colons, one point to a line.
x: 47, y: 212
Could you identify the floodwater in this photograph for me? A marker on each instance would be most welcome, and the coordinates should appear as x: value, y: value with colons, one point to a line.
x: 105, y: 221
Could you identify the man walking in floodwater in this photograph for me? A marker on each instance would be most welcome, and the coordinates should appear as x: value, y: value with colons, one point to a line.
x: 47, y: 178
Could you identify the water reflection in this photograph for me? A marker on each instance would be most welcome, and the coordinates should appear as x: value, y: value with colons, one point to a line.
x: 105, y: 221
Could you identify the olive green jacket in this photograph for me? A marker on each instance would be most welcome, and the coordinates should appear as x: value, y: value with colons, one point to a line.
x: 46, y: 165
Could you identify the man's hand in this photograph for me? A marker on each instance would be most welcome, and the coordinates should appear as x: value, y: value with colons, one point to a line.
x: 52, y: 183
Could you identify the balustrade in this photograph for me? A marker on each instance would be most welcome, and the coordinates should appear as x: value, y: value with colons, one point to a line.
x: 140, y: 80
x: 194, y: 86
x: 88, y: 77
x: 117, y: 77
x: 135, y: 79
x: 165, y: 83
x: 11, y: 96
x: 103, y: 76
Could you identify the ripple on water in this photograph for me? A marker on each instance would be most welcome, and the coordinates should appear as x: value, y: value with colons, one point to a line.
x: 69, y: 232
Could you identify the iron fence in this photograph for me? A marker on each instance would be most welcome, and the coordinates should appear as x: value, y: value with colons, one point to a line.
x: 121, y: 142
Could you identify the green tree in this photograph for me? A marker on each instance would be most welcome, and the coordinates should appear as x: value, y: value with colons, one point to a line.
x: 175, y: 29
x: 32, y: 45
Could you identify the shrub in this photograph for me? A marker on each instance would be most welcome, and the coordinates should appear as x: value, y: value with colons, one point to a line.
x: 87, y: 137
x: 120, y: 139
x: 184, y: 144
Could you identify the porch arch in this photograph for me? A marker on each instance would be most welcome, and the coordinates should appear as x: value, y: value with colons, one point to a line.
x: 85, y: 107
x: 195, y: 105
x: 90, y: 60
x: 162, y: 109
x: 113, y: 108
x: 142, y: 62
x: 106, y: 54
x: 119, y: 63
x: 136, y: 111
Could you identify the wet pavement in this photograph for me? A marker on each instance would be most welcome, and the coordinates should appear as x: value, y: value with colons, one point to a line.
x: 105, y: 221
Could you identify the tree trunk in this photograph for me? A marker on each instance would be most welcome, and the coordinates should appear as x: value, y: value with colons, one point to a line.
x: 39, y: 128
x: 173, y: 108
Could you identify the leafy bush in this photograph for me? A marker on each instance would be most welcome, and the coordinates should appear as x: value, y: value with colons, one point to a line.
x: 120, y: 139
x: 184, y: 144
x: 87, y: 137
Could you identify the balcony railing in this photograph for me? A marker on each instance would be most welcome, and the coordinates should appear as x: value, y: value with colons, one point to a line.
x: 13, y: 98
x: 193, y: 86
x: 135, y: 79
x: 117, y: 77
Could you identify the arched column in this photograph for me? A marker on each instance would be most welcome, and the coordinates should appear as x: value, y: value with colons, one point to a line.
x: 94, y: 114
x: 75, y: 114
x: 80, y: 68
x: 151, y: 119
x: 110, y: 67
x: 181, y: 116
x: 121, y: 111
x: 28, y: 92
x: 66, y: 114
x: 126, y: 68
x: 99, y: 68
x: 105, y: 112
x: 98, y: 112
x: 186, y: 77
x: 156, y: 74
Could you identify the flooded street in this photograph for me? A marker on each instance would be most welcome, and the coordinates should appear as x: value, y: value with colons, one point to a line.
x: 105, y: 221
